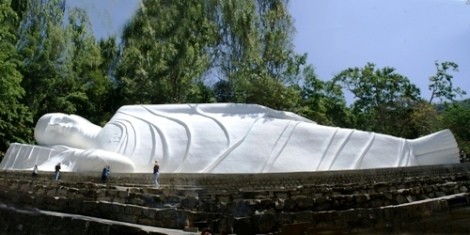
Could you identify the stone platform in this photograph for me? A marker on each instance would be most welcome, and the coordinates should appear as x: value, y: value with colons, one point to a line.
x: 426, y: 199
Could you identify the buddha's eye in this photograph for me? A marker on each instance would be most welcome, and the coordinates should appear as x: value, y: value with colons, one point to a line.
x: 58, y: 127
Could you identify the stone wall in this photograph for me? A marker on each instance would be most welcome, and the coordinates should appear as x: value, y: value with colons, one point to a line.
x: 379, y: 200
x: 18, y: 221
x: 265, y: 180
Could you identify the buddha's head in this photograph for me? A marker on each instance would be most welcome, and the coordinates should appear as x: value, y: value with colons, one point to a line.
x: 63, y: 129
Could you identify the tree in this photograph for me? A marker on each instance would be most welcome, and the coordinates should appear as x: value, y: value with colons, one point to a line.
x: 384, y: 99
x: 110, y: 55
x: 171, y: 48
x: 43, y: 51
x: 89, y: 83
x: 62, y: 62
x: 323, y: 101
x: 424, y: 119
x: 457, y: 118
x: 164, y: 55
x: 255, y: 55
x: 454, y: 115
x: 441, y: 84
x: 15, y: 119
x: 19, y: 6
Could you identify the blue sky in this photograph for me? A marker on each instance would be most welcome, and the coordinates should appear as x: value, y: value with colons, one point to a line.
x: 408, y: 35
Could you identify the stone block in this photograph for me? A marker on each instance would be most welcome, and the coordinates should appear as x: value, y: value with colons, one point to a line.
x: 171, y: 199
x: 265, y: 222
x: 24, y: 187
x: 74, y: 206
x: 303, y: 216
x: 191, y: 229
x: 125, y: 229
x: 133, y: 210
x: 172, y: 218
x: 90, y: 207
x: 463, y: 189
x: 361, y: 198
x: 289, y: 204
x: 243, y: 208
x: 119, y: 200
x: 137, y: 201
x: 136, y: 190
x: 145, y: 221
x: 73, y: 193
x: 279, y: 204
x: 62, y: 191
x: 122, y: 194
x: 295, y: 229
x: 100, y: 193
x: 127, y: 218
x: 149, y: 213
x: 51, y: 192
x: 98, y: 228
x: 189, y: 203
x: 267, y: 204
x: 105, y: 208
x: 104, y: 198
x: 243, y: 225
x: 400, y: 199
x: 88, y: 193
x: 304, y: 203
x: 224, y: 198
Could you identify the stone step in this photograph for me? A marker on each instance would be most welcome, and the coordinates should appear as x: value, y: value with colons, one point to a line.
x: 179, y: 216
x: 246, y: 203
x: 258, y: 181
x: 33, y: 221
x: 298, y: 199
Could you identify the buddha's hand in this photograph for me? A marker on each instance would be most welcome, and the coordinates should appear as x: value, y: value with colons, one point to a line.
x: 77, y: 160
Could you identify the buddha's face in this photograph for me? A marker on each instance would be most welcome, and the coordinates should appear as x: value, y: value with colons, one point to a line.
x: 62, y: 129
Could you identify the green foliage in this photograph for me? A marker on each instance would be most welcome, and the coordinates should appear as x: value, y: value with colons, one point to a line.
x: 457, y: 118
x: 15, y: 119
x: 323, y: 101
x: 164, y: 54
x: 255, y: 54
x: 63, y: 66
x: 454, y: 115
x: 165, y: 58
x: 19, y: 6
x: 441, y: 84
x: 171, y: 50
x: 43, y: 50
x: 90, y: 84
x: 384, y: 100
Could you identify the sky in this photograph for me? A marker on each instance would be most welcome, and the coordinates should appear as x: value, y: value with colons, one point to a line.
x: 408, y: 35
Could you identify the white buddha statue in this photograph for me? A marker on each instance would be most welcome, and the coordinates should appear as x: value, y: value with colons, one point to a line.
x: 218, y: 138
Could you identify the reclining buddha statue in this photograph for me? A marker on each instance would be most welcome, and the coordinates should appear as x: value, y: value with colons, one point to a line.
x: 217, y: 138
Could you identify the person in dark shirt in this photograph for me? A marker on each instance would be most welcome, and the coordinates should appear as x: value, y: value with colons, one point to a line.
x: 105, y: 174
x: 156, y: 174
x: 57, y: 171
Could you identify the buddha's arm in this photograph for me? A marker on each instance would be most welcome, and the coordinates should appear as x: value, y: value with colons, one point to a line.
x: 90, y: 160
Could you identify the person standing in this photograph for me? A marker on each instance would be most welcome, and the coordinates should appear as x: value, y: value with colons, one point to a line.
x: 105, y: 174
x: 35, y: 170
x: 156, y: 174
x: 57, y: 171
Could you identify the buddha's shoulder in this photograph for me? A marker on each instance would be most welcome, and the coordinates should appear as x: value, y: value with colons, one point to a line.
x: 192, y: 108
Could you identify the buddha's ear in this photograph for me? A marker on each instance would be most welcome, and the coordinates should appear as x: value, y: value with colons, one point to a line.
x: 57, y: 127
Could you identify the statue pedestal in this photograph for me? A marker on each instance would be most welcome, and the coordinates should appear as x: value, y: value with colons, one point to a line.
x: 24, y: 156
